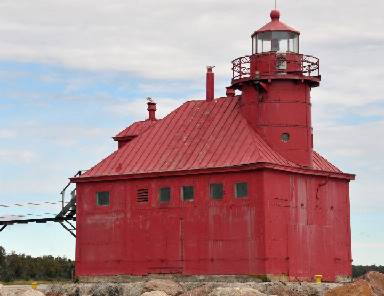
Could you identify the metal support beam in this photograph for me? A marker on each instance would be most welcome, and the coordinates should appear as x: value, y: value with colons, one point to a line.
x: 3, y: 227
x: 67, y: 229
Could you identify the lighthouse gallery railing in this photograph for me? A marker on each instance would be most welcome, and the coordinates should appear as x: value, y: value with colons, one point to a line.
x: 275, y: 64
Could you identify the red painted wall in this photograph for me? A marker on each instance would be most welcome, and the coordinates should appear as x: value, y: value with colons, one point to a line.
x: 307, y: 226
x: 284, y: 108
x: 269, y: 232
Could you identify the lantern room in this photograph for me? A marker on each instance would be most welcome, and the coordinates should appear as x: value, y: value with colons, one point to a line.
x: 275, y: 37
x: 275, y: 55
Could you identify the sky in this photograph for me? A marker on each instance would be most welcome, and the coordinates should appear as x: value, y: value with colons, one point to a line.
x: 75, y: 72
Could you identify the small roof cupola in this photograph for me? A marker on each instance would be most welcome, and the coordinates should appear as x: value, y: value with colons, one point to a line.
x: 275, y: 37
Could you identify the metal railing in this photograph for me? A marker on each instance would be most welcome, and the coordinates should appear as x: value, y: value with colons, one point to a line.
x: 241, y: 67
x: 275, y: 64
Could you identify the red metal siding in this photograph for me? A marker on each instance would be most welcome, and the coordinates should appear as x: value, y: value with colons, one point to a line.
x: 307, y: 226
x: 289, y: 224
x: 284, y: 108
x: 203, y: 236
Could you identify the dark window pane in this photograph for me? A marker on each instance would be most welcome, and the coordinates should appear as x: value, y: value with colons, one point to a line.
x: 216, y: 190
x: 285, y: 137
x: 187, y: 193
x: 241, y: 190
x: 102, y: 198
x: 165, y: 194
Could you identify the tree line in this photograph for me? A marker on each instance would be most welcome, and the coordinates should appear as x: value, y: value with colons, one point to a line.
x: 24, y: 267
x: 359, y: 270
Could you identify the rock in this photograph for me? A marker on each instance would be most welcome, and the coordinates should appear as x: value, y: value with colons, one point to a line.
x: 236, y: 291
x: 67, y: 290
x: 277, y: 288
x: 305, y: 289
x: 103, y: 289
x: 358, y: 288
x: 132, y: 289
x: 168, y: 286
x: 200, y: 291
x: 376, y: 280
x: 155, y: 293
x: 32, y: 293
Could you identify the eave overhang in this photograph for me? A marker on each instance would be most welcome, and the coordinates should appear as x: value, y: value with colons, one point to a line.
x: 231, y: 169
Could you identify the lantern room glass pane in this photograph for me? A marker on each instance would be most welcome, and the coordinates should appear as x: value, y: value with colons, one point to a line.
x: 279, y: 42
x: 276, y: 41
x: 293, y: 43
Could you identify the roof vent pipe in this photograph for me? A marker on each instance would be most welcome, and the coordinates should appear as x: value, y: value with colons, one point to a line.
x: 151, y: 109
x: 230, y: 92
x: 210, y: 84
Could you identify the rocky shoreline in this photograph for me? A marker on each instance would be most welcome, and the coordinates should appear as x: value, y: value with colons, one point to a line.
x: 372, y: 284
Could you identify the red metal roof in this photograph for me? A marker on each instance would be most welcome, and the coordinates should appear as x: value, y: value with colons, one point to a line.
x: 321, y: 164
x: 197, y: 135
x: 135, y: 129
x: 276, y: 25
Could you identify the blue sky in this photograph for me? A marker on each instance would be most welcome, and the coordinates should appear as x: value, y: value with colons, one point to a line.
x: 72, y: 74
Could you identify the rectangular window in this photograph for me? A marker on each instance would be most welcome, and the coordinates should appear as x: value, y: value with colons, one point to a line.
x: 241, y: 190
x: 142, y: 195
x: 216, y: 190
x: 165, y: 194
x: 187, y: 193
x: 102, y: 198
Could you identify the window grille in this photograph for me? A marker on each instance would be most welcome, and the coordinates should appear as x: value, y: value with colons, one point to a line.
x: 142, y: 195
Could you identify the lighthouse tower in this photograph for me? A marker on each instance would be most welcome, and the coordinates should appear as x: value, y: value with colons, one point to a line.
x: 275, y: 82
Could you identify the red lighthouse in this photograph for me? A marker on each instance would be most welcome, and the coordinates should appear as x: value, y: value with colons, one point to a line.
x: 226, y: 185
x: 275, y: 82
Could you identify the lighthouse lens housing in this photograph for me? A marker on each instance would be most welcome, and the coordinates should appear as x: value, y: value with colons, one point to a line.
x: 276, y: 41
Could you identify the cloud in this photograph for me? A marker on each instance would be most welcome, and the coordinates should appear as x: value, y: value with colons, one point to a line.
x: 17, y: 156
x: 137, y: 109
x: 357, y: 148
x: 168, y: 39
x: 362, y: 245
x: 7, y: 134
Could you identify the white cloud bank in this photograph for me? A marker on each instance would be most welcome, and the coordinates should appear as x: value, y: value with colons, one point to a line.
x: 173, y: 38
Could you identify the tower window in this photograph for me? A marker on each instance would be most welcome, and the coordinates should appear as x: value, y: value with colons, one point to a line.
x: 216, y: 190
x: 165, y: 194
x: 102, y: 198
x: 285, y: 137
x: 187, y: 193
x: 241, y: 190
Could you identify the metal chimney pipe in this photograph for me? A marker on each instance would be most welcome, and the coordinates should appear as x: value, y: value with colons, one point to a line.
x: 210, y: 84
